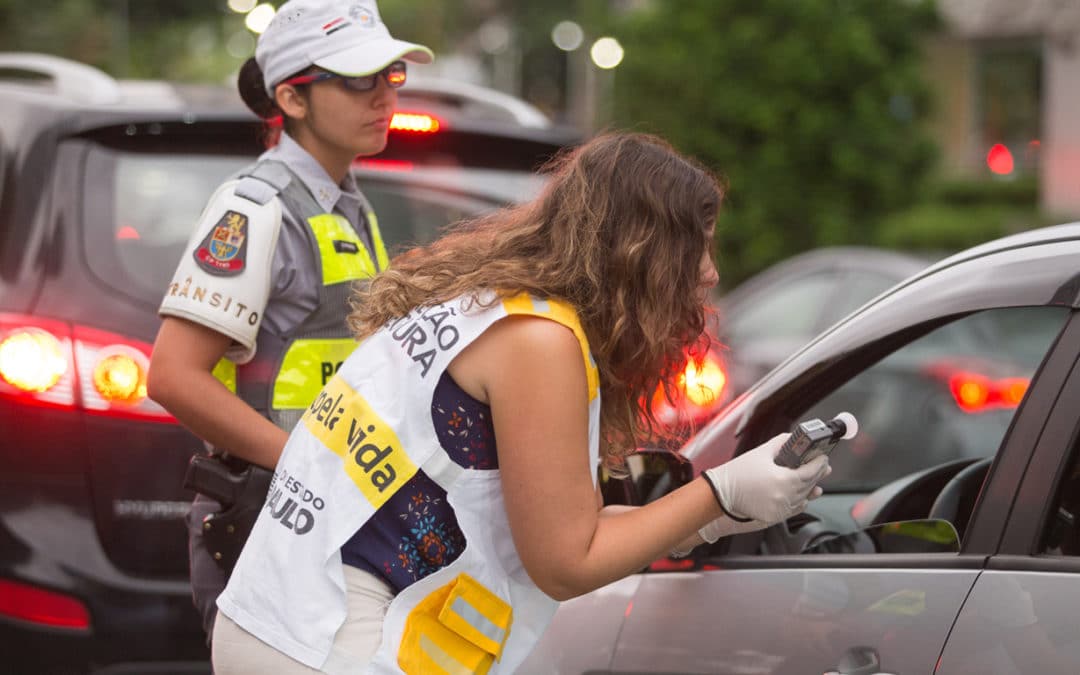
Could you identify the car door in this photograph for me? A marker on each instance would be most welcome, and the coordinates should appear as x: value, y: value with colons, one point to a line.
x: 1021, y: 614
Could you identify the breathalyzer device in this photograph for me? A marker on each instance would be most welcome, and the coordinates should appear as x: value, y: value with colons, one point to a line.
x: 814, y: 437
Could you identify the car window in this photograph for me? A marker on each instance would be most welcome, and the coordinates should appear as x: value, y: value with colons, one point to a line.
x: 1062, y: 534
x: 792, y: 310
x: 948, y: 395
x: 157, y: 199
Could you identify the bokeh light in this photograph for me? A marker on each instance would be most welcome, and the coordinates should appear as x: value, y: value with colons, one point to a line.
x: 259, y: 18
x: 567, y: 36
x: 607, y: 52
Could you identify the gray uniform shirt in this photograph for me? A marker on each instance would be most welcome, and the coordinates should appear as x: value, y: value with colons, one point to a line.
x: 294, y: 290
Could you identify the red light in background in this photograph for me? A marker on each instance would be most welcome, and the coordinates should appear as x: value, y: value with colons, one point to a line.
x: 391, y: 165
x: 1000, y: 160
x: 36, y: 605
x: 976, y: 393
x: 127, y: 232
x: 420, y: 123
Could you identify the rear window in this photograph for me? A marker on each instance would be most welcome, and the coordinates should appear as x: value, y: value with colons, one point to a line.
x: 148, y: 203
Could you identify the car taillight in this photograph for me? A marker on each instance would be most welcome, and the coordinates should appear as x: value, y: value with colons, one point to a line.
x: 976, y: 393
x: 703, y: 385
x: 699, y: 390
x: 45, y: 362
x: 415, y: 122
x: 37, y: 605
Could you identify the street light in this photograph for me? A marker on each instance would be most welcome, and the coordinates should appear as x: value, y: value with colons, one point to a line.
x: 242, y: 6
x: 606, y: 53
x: 259, y: 18
x: 567, y: 36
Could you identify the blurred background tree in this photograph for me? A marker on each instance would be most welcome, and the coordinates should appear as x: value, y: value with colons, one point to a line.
x: 813, y: 111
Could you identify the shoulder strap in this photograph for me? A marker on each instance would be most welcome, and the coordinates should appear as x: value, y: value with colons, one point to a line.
x: 263, y: 181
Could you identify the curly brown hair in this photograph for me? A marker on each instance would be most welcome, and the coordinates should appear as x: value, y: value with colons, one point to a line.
x: 618, y: 233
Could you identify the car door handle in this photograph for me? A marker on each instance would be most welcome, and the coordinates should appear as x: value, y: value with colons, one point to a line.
x: 858, y: 661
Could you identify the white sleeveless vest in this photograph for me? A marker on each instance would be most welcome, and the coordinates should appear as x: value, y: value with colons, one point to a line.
x: 368, y: 432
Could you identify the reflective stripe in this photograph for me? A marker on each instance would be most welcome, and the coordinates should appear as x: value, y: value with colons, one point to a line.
x: 225, y: 372
x: 563, y: 313
x: 477, y: 614
x: 443, y: 660
x: 340, y: 267
x: 377, y: 240
x: 307, y: 366
x: 485, y: 627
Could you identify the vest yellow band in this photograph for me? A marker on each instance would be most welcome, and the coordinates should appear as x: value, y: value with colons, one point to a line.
x: 225, y: 372
x: 563, y: 313
x: 307, y: 366
x: 340, y: 266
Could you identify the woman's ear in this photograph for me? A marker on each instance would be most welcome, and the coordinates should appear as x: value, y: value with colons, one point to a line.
x: 290, y: 101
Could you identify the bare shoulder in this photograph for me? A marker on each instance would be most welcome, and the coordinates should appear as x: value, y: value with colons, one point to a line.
x: 519, y: 348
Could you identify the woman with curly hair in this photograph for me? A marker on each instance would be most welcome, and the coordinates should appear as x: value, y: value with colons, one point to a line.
x: 451, y: 462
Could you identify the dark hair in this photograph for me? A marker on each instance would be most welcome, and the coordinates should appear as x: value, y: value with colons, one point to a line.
x: 252, y: 87
x: 618, y: 233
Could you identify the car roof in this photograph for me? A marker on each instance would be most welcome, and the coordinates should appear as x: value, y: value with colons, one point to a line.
x: 893, y: 264
x: 1037, y: 267
x: 43, y: 91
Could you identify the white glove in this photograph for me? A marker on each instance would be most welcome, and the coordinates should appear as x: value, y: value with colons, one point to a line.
x: 752, y: 487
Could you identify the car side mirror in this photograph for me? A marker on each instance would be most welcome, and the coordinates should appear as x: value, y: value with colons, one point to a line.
x: 906, y: 536
x: 650, y: 474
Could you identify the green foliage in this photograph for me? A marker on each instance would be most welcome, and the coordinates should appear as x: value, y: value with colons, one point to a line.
x: 943, y: 227
x: 811, y: 109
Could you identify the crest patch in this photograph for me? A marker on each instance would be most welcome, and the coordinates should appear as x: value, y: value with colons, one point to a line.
x: 224, y: 250
x: 362, y: 16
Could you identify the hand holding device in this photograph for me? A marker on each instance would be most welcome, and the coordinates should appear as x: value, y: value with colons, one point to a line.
x: 813, y: 438
x: 754, y: 487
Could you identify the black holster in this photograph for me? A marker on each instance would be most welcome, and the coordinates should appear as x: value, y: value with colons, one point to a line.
x: 241, y: 489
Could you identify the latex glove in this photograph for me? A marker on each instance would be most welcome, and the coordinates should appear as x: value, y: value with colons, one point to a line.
x: 712, y: 531
x: 753, y: 487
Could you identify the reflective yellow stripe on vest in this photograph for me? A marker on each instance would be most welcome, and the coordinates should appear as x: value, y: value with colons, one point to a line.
x: 307, y: 366
x: 225, y: 372
x: 340, y: 267
x: 563, y: 313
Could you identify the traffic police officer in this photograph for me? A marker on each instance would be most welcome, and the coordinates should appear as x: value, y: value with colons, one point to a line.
x: 254, y: 321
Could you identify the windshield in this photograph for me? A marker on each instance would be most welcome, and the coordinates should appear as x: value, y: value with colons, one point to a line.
x: 155, y: 200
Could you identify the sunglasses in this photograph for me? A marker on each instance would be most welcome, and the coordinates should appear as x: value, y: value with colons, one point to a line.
x: 394, y: 74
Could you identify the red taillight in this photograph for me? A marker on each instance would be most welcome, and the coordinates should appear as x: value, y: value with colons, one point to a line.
x: 419, y: 123
x: 391, y: 165
x: 44, y: 362
x: 47, y: 608
x: 976, y: 393
x: 699, y: 390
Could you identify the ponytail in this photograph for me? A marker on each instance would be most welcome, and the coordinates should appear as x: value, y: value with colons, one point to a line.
x: 252, y: 89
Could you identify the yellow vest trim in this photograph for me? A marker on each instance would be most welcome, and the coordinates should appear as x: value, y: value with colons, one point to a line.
x: 225, y: 372
x: 560, y: 312
x: 431, y: 644
x: 371, y: 452
x: 307, y: 366
x: 377, y: 240
x: 341, y: 267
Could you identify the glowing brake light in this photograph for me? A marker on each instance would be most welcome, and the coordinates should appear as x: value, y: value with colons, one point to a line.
x: 37, y: 605
x: 32, y: 359
x: 419, y: 123
x: 51, y: 363
x: 976, y: 393
x: 703, y: 385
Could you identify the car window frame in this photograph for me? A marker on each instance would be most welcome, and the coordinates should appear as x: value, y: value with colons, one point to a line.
x: 1052, y: 454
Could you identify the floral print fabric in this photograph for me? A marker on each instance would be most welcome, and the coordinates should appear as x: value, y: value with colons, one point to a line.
x: 416, y: 533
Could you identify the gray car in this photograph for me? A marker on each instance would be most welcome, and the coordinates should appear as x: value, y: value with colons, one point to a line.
x: 963, y: 559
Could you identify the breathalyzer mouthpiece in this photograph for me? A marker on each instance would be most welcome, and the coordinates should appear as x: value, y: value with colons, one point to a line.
x: 845, y: 424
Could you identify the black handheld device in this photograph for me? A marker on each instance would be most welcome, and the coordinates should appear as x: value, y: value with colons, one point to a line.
x: 813, y: 438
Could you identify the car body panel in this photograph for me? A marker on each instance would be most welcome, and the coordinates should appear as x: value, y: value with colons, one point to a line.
x: 753, y: 604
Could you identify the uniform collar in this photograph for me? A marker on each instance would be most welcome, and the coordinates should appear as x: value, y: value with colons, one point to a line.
x: 314, y: 176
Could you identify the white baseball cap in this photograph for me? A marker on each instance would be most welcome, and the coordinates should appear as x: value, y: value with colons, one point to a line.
x: 346, y: 37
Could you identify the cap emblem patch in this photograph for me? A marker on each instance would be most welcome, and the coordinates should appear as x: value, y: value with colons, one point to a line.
x: 224, y: 250
x: 362, y: 15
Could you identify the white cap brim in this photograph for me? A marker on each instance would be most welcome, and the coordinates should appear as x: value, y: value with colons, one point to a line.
x: 374, y: 55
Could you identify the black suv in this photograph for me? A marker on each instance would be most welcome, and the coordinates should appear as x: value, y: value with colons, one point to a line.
x: 100, y: 183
